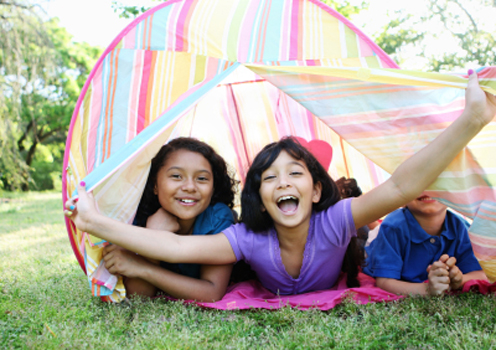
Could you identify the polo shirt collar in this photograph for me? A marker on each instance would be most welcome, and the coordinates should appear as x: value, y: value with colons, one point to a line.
x: 418, y: 234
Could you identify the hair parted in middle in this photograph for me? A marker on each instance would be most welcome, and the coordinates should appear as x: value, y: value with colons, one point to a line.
x: 251, y: 202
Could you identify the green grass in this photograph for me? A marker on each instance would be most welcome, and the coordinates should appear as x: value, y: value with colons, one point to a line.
x: 45, y: 303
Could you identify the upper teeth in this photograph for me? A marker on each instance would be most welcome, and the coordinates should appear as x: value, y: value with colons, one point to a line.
x: 286, y: 198
x: 187, y: 200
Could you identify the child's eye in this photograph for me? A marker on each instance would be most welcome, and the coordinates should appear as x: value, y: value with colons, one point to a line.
x: 296, y: 173
x: 269, y: 177
x: 175, y: 176
x: 203, y: 178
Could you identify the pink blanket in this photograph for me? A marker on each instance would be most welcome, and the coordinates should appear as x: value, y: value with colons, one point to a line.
x: 251, y: 294
x: 479, y: 286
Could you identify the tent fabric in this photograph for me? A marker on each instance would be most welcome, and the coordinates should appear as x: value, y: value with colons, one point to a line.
x: 241, y: 74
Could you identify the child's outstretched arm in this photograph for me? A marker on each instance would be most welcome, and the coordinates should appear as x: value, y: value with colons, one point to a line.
x: 160, y: 245
x: 420, y: 170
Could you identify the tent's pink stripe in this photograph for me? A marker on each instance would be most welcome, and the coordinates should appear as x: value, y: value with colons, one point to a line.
x: 133, y: 100
x: 144, y: 91
x: 376, y: 116
x: 378, y: 51
x: 182, y: 24
x: 399, y: 127
x: 484, y: 252
x: 295, y: 32
x: 365, y: 49
x: 130, y: 41
x: 372, y: 171
x: 481, y: 240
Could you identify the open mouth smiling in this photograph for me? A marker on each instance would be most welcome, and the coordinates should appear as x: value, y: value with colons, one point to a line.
x: 187, y: 201
x: 288, y: 204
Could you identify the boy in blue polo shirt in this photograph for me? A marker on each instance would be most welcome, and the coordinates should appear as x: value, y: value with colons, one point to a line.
x: 423, y: 241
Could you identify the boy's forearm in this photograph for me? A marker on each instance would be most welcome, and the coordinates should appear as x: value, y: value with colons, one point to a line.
x: 402, y: 287
x: 473, y: 275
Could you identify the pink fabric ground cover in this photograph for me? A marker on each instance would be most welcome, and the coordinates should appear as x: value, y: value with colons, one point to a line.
x: 251, y: 294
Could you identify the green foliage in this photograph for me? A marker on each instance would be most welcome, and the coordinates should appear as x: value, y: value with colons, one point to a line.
x: 345, y: 7
x: 130, y: 11
x: 478, y: 46
x: 395, y: 37
x: 45, y: 303
x: 42, y: 72
x: 459, y: 22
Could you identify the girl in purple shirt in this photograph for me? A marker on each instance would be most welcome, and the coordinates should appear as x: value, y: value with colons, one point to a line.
x: 294, y: 229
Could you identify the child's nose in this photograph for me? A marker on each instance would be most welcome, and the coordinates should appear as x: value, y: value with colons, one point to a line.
x: 284, y: 183
x: 189, y: 185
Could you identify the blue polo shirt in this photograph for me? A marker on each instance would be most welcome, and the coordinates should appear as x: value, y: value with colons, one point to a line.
x: 403, y: 250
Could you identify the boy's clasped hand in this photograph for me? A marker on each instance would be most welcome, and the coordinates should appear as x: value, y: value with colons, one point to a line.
x: 444, y: 276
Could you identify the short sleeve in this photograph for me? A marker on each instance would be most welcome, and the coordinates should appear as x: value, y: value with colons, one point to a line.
x: 213, y: 220
x: 465, y: 258
x: 222, y: 217
x: 236, y: 235
x: 384, y: 254
x: 336, y: 223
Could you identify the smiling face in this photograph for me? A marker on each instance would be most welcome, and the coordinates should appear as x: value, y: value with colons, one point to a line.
x: 287, y: 192
x: 425, y: 206
x: 185, y: 186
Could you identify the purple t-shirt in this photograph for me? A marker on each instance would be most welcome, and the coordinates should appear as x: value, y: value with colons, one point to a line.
x: 328, y: 237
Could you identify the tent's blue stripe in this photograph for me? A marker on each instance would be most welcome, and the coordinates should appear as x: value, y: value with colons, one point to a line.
x: 113, y: 163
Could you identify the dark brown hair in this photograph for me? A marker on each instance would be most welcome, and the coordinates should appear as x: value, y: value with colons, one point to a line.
x: 224, y: 184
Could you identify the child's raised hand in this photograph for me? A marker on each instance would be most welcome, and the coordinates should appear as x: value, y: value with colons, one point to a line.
x: 439, y: 280
x: 162, y: 221
x: 481, y: 105
x: 80, y: 210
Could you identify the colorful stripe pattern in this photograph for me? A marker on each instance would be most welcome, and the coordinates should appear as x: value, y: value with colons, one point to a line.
x: 239, y: 74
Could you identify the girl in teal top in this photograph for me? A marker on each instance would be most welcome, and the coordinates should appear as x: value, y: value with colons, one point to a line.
x: 189, y: 183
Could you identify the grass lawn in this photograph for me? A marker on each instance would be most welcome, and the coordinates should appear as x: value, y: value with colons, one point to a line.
x: 45, y: 303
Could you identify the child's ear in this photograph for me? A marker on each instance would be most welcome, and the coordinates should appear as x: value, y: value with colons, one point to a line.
x: 155, y: 191
x: 262, y: 208
x: 317, y: 192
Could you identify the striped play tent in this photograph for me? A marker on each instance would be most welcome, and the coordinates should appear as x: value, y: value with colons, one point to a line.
x: 239, y: 74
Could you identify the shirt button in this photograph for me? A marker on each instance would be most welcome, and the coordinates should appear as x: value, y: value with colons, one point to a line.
x: 433, y: 240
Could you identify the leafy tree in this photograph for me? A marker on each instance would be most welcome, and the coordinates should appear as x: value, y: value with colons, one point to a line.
x: 41, y: 74
x: 472, y: 42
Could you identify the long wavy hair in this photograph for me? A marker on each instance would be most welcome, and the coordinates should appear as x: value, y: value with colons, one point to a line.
x: 224, y: 184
